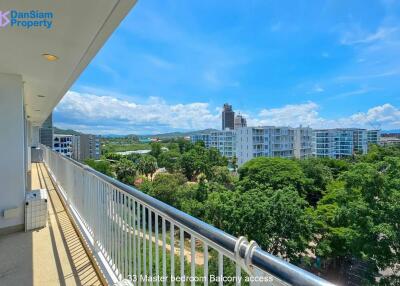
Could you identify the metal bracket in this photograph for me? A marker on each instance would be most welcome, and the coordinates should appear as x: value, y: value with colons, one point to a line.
x: 251, y: 247
x: 245, y: 262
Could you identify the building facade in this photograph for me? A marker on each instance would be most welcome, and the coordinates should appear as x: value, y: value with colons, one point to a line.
x: 76, y: 147
x: 302, y: 142
x: 206, y: 138
x: 86, y: 146
x: 246, y: 143
x: 240, y: 121
x: 339, y: 142
x: 373, y: 136
x: 271, y: 141
x: 228, y: 117
x: 62, y: 143
x: 46, y: 132
x: 224, y: 141
x: 89, y: 147
x: 390, y: 141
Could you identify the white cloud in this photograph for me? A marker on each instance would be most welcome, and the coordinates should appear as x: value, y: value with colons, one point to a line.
x: 386, y: 116
x: 109, y: 115
x: 288, y: 115
x: 358, y: 36
x: 158, y: 62
x: 128, y: 115
x: 317, y: 88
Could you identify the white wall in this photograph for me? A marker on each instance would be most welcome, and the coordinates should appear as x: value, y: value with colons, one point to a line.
x: 12, y: 153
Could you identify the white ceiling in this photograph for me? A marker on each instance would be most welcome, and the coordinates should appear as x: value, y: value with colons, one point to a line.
x: 80, y: 28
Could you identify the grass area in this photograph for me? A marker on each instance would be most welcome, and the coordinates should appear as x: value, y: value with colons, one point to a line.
x: 112, y: 146
x: 118, y: 147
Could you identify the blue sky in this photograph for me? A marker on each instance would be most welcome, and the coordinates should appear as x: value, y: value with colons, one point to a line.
x: 172, y: 64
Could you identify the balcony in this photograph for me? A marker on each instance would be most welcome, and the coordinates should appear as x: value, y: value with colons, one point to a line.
x: 53, y: 255
x: 127, y: 234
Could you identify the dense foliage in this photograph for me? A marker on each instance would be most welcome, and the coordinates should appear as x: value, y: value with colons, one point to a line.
x: 327, y: 215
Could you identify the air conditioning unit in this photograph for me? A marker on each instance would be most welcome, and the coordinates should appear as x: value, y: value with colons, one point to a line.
x: 36, y: 210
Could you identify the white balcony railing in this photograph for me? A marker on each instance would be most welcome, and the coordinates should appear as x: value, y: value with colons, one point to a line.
x: 134, y: 236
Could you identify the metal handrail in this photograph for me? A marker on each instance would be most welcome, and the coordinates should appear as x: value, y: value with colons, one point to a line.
x: 264, y: 261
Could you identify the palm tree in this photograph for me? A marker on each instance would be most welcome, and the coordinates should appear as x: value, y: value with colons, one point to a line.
x: 147, y: 165
x: 126, y: 171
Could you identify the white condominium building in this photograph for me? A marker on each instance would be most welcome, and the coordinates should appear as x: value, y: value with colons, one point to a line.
x: 339, y: 142
x: 224, y: 141
x: 271, y: 141
x: 202, y: 137
x: 247, y: 143
x: 62, y: 143
x: 373, y: 136
x: 302, y: 142
x: 252, y: 142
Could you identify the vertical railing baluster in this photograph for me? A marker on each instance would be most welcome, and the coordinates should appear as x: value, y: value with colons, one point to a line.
x: 125, y: 235
x: 157, y: 248
x: 220, y: 268
x: 119, y: 228
x: 192, y: 259
x: 113, y: 232
x: 130, y: 237
x: 144, y: 244
x: 138, y: 244
x: 150, y: 246
x: 182, y: 254
x: 238, y: 274
x: 134, y: 252
x: 205, y: 254
x: 109, y: 229
x: 164, y: 254
x: 172, y: 253
x: 126, y: 224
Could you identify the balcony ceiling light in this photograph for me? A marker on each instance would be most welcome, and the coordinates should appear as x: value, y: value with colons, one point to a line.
x: 50, y: 57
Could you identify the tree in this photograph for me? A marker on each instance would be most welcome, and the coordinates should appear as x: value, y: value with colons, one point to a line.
x: 184, y: 145
x: 192, y: 163
x: 221, y: 175
x: 318, y: 177
x: 100, y: 165
x: 359, y: 216
x: 279, y: 220
x: 272, y: 173
x: 125, y: 171
x: 147, y: 165
x: 113, y: 156
x: 169, y: 160
x: 155, y: 149
x: 234, y: 163
x: 165, y: 187
x: 200, y: 160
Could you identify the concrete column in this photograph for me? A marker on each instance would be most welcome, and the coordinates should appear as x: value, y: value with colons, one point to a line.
x: 12, y: 153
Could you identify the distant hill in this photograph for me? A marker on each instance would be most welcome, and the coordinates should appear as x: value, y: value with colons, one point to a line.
x: 161, y: 135
x: 175, y: 134
x: 66, y: 131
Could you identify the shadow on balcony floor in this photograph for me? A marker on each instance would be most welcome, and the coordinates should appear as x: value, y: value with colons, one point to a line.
x: 53, y: 255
